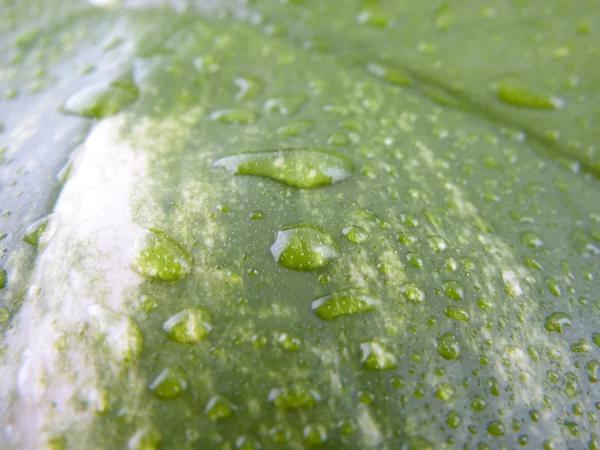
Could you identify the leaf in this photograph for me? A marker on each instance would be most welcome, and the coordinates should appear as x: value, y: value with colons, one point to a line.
x: 473, y: 189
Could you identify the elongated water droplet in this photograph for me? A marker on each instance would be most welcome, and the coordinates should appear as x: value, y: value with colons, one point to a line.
x: 519, y: 94
x: 292, y: 398
x: 188, y: 326
x: 388, y: 74
x: 170, y: 383
x: 219, y: 408
x: 156, y: 255
x: 249, y: 87
x: 375, y: 356
x: 301, y: 168
x: 457, y: 313
x: 556, y: 322
x: 297, y: 128
x: 448, y: 346
x: 101, y: 100
x: 34, y: 232
x: 496, y: 428
x: 344, y: 302
x: 286, y: 105
x: 304, y: 248
x: 234, y: 116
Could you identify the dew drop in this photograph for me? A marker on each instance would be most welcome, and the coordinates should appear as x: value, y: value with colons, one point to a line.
x: 344, y: 302
x: 437, y: 244
x: 218, y: 408
x: 445, y: 392
x: 3, y: 278
x: 496, y: 428
x: 388, y: 74
x: 157, y: 256
x: 457, y: 313
x: 304, y: 248
x: 413, y: 292
x: 170, y: 383
x: 249, y: 87
x: 454, y: 290
x: 556, y: 322
x: 293, y: 398
x: 189, y: 326
x: 34, y: 232
x: 301, y: 168
x: 315, y: 434
x: 448, y: 346
x: 235, y: 116
x: 375, y: 356
x: 297, y: 128
x: 286, y: 105
x: 530, y: 239
x: 101, y: 100
x: 356, y: 234
x: 453, y: 419
x: 148, y: 438
x: 256, y: 215
x: 519, y: 94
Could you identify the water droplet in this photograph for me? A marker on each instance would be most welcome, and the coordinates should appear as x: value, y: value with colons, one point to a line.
x: 34, y: 232
x: 102, y: 100
x: 148, y: 303
x: 188, y: 326
x: 356, y: 234
x: 457, y: 313
x: 445, y: 392
x: 375, y: 356
x: 170, y: 383
x: 296, y: 397
x: 156, y: 255
x: 582, y: 346
x: 593, y: 370
x: 413, y: 292
x: 148, y: 438
x: 557, y: 321
x: 553, y: 286
x: 448, y: 346
x: 454, y: 290
x: 414, y: 260
x: 571, y: 385
x: 301, y: 168
x: 418, y: 443
x: 519, y: 94
x: 496, y: 428
x: 304, y: 248
x: 344, y: 302
x: 3, y: 278
x: 388, y: 74
x: 314, y: 434
x: 530, y: 239
x: 596, y: 338
x: 444, y: 17
x: 219, y: 407
x: 373, y: 18
x: 297, y: 128
x: 249, y: 87
x: 478, y: 403
x: 247, y: 443
x: 453, y: 419
x: 235, y: 116
x: 256, y: 215
x: 286, y: 105
x: 407, y: 239
x: 437, y: 244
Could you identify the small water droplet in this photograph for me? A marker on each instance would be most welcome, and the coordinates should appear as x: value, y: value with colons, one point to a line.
x: 356, y: 234
x: 388, y: 74
x: 315, y: 434
x: 34, y: 232
x: 249, y: 87
x: 156, y: 255
x: 301, y: 168
x: 286, y: 105
x: 375, y: 356
x: 170, y: 383
x: 344, y: 302
x: 454, y: 290
x: 373, y: 18
x: 296, y: 397
x: 531, y: 239
x: 236, y: 116
x: 189, y: 326
x: 557, y: 321
x: 148, y: 303
x: 256, y: 215
x: 102, y: 100
x: 453, y: 419
x: 407, y: 239
x: 496, y: 428
x: 297, y: 128
x: 519, y: 94
x: 448, y: 346
x: 571, y: 385
x: 437, y: 243
x: 219, y: 407
x: 304, y: 248
x: 413, y: 292
x: 478, y: 403
x: 148, y: 438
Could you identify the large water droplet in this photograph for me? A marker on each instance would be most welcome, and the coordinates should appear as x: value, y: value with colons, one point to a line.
x: 555, y: 322
x: 344, y: 302
x: 301, y: 168
x: 496, y: 428
x: 304, y: 248
x: 102, y: 100
x: 448, y: 346
x: 519, y: 94
x: 235, y: 116
x: 375, y: 356
x: 296, y: 397
x: 156, y: 255
x: 188, y: 326
x: 34, y: 232
x: 170, y: 383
